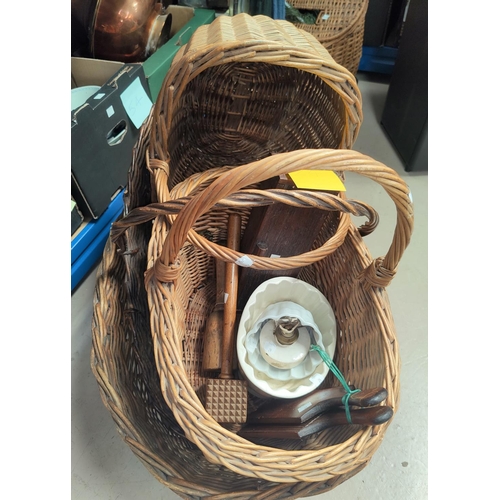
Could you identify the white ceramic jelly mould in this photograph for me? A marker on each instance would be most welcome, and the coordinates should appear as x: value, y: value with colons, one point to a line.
x: 262, y: 378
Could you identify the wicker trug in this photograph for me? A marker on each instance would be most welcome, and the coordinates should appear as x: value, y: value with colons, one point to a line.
x: 180, y: 291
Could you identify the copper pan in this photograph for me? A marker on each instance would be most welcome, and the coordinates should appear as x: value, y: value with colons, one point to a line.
x: 125, y: 30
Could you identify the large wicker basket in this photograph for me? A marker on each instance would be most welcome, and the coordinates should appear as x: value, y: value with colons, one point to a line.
x: 340, y: 27
x: 244, y: 88
x: 179, y: 283
x: 122, y: 360
x: 124, y: 366
x: 204, y: 142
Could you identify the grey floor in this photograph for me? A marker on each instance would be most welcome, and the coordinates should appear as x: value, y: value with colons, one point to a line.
x: 103, y: 466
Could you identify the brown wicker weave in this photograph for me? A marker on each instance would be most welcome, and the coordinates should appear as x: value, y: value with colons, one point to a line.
x: 244, y: 88
x: 122, y: 361
x: 340, y: 27
x: 255, y: 95
x: 180, y: 291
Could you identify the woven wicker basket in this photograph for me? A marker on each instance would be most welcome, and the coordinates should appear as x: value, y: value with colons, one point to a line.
x: 179, y: 283
x: 122, y: 360
x: 340, y: 27
x: 205, y: 139
x: 244, y: 88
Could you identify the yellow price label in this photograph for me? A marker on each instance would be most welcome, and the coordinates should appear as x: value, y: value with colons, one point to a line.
x: 322, y: 180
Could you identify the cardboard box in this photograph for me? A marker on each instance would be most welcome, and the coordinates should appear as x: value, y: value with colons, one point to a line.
x: 86, y: 71
x: 87, y: 244
x: 102, y: 145
x: 104, y: 131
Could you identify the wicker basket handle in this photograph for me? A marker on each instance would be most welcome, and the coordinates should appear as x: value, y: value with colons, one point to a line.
x: 381, y: 270
x: 247, y: 198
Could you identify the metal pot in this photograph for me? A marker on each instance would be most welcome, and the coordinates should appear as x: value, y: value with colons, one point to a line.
x: 124, y: 30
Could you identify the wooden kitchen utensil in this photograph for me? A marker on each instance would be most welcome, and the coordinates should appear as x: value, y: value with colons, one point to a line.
x: 277, y: 230
x: 212, y: 338
x: 226, y: 398
x: 300, y: 410
x: 374, y: 415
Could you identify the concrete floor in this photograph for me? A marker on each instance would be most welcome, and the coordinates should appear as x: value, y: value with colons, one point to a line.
x: 104, y: 467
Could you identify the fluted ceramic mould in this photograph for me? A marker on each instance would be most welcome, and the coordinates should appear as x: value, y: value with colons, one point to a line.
x: 273, y: 299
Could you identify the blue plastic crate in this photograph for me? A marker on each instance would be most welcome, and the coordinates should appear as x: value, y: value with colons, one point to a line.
x: 88, y: 245
x: 378, y: 60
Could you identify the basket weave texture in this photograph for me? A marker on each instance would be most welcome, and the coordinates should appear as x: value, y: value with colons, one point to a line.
x: 244, y: 88
x: 180, y: 291
x: 340, y: 27
x: 227, y: 117
x: 122, y: 361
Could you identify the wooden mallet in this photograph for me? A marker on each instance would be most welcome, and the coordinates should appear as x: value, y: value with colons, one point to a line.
x: 227, y: 398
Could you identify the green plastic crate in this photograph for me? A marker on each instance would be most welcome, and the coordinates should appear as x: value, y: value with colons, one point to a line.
x: 156, y: 66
